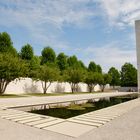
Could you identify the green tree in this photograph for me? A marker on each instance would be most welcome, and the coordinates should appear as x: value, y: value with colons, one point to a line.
x: 27, y: 52
x: 128, y: 75
x: 47, y: 75
x: 82, y: 65
x: 74, y: 77
x: 106, y: 79
x: 33, y: 65
x: 48, y: 55
x: 114, y: 73
x: 6, y: 44
x: 99, y: 68
x: 92, y: 67
x: 62, y: 61
x: 11, y: 68
x: 72, y: 61
x: 92, y: 79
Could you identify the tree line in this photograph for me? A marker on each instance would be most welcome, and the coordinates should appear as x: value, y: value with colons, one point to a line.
x: 50, y: 67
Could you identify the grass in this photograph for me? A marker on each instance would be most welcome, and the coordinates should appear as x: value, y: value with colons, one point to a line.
x: 10, y: 96
x: 75, y: 109
x: 58, y: 94
x: 40, y: 94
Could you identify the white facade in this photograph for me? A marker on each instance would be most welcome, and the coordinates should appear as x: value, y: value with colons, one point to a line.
x: 137, y: 30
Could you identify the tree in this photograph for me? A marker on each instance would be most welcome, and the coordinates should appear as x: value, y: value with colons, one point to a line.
x: 106, y: 79
x: 47, y: 75
x: 48, y: 55
x: 74, y: 77
x: 92, y: 67
x: 98, y: 68
x: 33, y: 65
x: 128, y: 75
x: 82, y: 65
x: 114, y: 73
x: 72, y: 61
x: 11, y: 68
x: 27, y: 52
x: 6, y: 44
x: 62, y: 61
x: 92, y: 79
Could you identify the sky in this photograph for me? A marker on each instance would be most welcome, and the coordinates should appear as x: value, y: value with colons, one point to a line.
x: 102, y: 31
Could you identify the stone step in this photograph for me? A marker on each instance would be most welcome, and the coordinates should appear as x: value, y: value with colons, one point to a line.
x: 85, y: 122
x: 45, y: 124
x: 40, y: 121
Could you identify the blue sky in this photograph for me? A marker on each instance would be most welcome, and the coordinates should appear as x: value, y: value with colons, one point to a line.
x: 93, y: 30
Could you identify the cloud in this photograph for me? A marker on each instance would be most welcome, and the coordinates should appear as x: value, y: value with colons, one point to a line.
x: 110, y: 55
x: 56, y: 12
x: 121, y: 12
x: 44, y: 20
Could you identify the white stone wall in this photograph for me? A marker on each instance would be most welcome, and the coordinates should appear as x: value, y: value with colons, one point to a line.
x: 27, y: 85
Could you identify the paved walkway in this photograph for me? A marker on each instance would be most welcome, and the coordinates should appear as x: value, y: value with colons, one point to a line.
x: 80, y: 127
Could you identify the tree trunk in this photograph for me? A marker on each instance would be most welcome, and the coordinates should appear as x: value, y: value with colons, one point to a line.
x: 73, y: 87
x: 113, y: 86
x: 45, y: 87
x: 3, y: 85
x: 91, y: 87
x: 103, y: 88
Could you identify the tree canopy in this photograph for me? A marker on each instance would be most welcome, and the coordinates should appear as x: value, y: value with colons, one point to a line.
x: 48, y: 55
x: 92, y: 67
x: 72, y: 61
x: 74, y: 76
x: 47, y: 75
x: 6, y: 44
x: 99, y: 68
x: 106, y: 79
x: 90, y: 80
x: 11, y: 68
x: 62, y: 61
x: 114, y: 73
x: 128, y: 75
x: 27, y: 52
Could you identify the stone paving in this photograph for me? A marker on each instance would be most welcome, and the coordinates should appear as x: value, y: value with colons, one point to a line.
x: 73, y: 127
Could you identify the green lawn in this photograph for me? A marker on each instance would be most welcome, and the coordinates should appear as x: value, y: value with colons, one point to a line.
x: 41, y: 94
x: 58, y: 94
x: 38, y: 94
x: 10, y: 96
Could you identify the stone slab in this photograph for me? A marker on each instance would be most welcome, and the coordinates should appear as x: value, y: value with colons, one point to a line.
x: 29, y: 120
x: 104, y: 114
x: 13, y: 115
x: 85, y: 122
x: 18, y: 116
x: 93, y: 116
x: 70, y: 129
x: 41, y: 121
x: 91, y: 120
x: 7, y: 113
x: 45, y: 124
x: 24, y: 118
